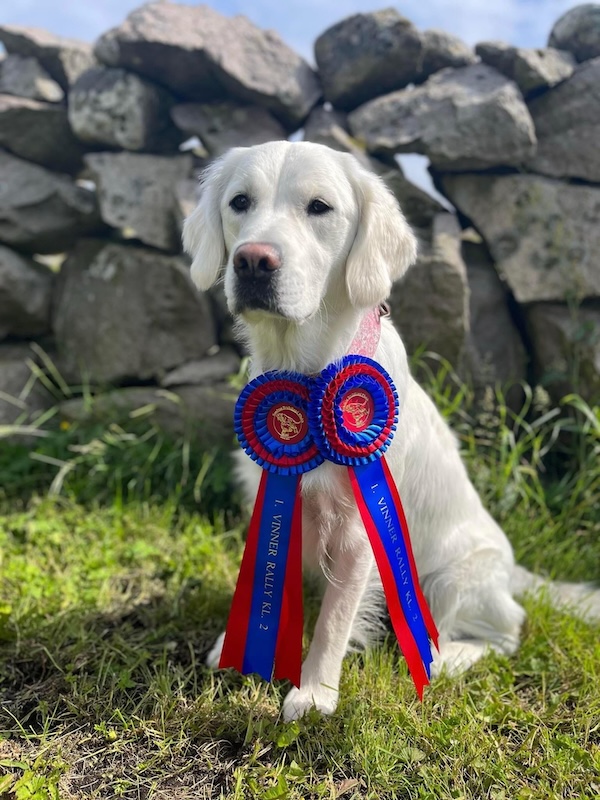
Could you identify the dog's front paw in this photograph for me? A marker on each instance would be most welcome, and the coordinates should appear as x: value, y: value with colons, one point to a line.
x: 214, y: 655
x: 298, y: 702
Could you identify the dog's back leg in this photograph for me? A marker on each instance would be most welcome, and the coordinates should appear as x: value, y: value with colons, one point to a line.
x: 473, y: 606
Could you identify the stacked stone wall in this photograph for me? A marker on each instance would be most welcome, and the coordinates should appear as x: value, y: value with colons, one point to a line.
x: 100, y: 151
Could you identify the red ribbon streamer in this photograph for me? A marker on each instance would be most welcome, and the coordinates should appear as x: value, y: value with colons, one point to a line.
x: 423, y: 605
x: 399, y: 622
x: 234, y: 645
x: 288, y: 654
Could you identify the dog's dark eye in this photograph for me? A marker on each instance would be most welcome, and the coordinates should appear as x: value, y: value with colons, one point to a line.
x: 241, y: 202
x: 318, y: 207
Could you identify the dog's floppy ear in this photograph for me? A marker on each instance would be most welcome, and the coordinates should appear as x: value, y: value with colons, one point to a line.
x: 203, y: 229
x: 384, y: 247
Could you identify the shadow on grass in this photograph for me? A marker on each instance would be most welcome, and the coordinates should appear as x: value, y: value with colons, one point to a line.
x: 120, y: 703
x: 79, y: 657
x: 122, y: 698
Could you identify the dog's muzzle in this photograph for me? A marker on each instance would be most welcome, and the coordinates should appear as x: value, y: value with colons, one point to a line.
x: 256, y: 266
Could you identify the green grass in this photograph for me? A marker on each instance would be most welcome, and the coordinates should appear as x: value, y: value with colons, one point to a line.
x: 113, y: 589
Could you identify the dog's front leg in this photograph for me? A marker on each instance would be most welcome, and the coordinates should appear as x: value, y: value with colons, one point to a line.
x: 348, y: 577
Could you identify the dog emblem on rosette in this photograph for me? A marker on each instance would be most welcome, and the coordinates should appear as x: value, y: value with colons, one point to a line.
x: 287, y: 423
x: 357, y: 409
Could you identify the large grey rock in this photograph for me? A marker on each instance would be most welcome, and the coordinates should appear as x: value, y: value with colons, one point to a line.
x: 532, y: 70
x: 42, y: 211
x: 419, y: 207
x: 63, y: 59
x: 441, y: 50
x: 204, y: 56
x: 499, y: 55
x: 330, y: 127
x: 209, y: 370
x: 578, y: 31
x: 169, y: 44
x: 467, y: 118
x: 25, y: 295
x: 117, y: 108
x: 136, y: 193
x: 430, y: 305
x: 25, y: 77
x: 497, y: 355
x: 541, y: 69
x: 23, y: 399
x: 566, y: 348
x: 202, y: 412
x: 221, y: 126
x: 543, y: 234
x: 367, y: 55
x: 39, y: 132
x: 126, y: 313
x: 567, y: 123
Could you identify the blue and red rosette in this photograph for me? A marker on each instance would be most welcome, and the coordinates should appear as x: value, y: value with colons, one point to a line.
x: 271, y: 423
x: 353, y: 411
x: 289, y: 424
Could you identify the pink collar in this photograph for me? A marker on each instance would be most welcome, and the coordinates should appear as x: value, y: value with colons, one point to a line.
x: 369, y: 332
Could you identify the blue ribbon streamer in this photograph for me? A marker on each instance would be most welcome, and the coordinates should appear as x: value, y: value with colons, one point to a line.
x: 380, y: 503
x: 269, y: 574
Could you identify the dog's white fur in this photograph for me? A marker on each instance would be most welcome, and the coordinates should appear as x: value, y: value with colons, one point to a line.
x: 335, y: 267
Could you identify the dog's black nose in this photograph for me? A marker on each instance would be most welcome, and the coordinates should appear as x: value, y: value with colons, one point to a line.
x: 256, y: 260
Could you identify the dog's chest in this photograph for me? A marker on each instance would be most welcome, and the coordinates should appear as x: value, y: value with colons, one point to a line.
x: 329, y: 514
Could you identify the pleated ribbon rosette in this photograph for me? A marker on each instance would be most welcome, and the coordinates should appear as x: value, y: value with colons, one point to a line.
x: 289, y: 424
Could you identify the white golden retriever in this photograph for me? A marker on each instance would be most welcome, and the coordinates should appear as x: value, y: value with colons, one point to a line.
x: 309, y: 241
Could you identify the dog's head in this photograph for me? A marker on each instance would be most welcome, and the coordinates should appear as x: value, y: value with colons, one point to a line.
x: 294, y: 225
